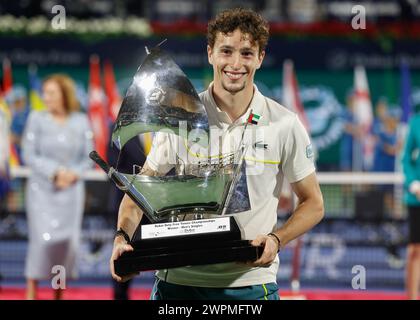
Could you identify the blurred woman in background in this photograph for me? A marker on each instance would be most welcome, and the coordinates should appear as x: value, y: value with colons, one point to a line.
x: 4, y: 158
x: 56, y: 145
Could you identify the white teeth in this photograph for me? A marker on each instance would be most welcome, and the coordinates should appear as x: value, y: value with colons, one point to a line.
x: 233, y: 76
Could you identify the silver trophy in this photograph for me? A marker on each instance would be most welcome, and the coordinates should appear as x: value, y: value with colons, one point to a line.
x: 160, y: 98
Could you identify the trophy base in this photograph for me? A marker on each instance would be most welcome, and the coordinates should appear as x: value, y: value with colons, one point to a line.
x: 165, y: 246
x: 179, y: 256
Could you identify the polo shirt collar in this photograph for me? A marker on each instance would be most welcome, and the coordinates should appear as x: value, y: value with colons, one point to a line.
x: 256, y: 105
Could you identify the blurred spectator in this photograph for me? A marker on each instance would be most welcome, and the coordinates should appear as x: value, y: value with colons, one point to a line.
x: 381, y: 110
x: 55, y: 145
x: 4, y: 158
x: 411, y: 170
x: 351, y: 136
x: 17, y: 101
x: 387, y: 144
x: 387, y: 148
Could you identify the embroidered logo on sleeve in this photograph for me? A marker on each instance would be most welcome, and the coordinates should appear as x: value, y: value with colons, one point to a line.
x: 309, y: 151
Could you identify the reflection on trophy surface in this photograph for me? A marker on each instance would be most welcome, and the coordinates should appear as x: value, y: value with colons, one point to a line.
x: 159, y: 98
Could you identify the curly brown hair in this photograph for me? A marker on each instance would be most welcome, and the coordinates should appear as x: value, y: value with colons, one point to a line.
x: 68, y: 89
x: 246, y: 20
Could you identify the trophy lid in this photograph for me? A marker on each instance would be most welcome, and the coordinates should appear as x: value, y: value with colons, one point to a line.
x: 160, y: 97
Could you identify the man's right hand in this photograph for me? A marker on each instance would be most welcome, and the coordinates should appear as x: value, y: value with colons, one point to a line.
x: 120, y: 246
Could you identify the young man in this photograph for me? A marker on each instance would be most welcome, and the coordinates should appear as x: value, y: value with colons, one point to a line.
x: 236, y: 44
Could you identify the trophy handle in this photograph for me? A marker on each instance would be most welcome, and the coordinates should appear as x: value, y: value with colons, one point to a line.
x: 99, y: 161
x: 124, y: 185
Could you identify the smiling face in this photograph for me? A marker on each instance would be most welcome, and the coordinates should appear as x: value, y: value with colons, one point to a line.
x: 234, y: 58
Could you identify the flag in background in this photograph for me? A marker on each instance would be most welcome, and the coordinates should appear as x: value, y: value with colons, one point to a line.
x: 291, y: 97
x: 362, y: 108
x: 4, y: 154
x: 7, y: 89
x: 111, y: 90
x: 4, y: 108
x: 14, y: 157
x: 7, y: 77
x: 405, y: 92
x: 362, y: 103
x: 35, y: 92
x: 97, y: 108
x: 7, y: 86
x: 406, y: 106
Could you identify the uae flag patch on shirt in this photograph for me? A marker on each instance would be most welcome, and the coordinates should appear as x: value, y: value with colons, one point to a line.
x: 253, y: 118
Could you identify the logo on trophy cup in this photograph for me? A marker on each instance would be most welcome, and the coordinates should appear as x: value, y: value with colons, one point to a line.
x: 192, y: 212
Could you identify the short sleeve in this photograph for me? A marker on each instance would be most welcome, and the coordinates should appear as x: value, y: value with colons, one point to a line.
x: 298, y: 154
